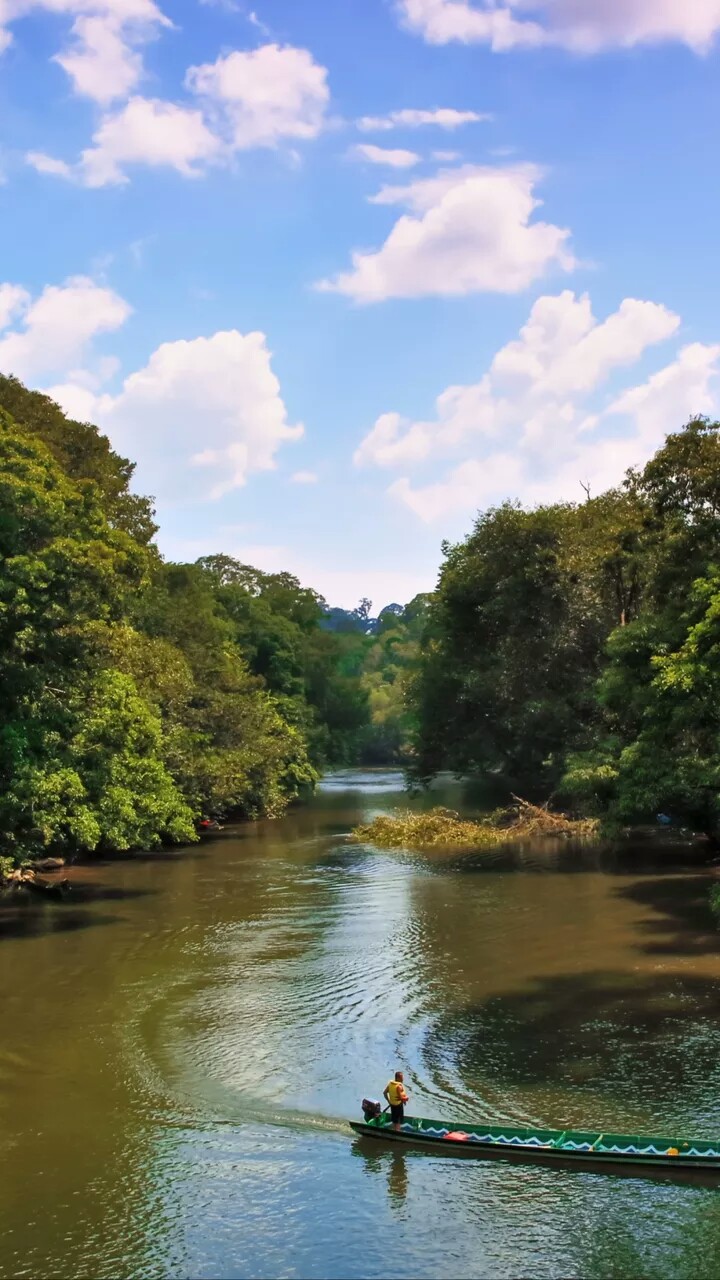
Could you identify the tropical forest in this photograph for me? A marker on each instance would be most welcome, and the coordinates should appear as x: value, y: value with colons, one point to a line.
x: 570, y: 652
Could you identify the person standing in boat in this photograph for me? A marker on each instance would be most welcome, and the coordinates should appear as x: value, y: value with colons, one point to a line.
x: 394, y: 1093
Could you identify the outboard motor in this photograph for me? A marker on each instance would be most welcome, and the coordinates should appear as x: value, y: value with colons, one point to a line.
x: 370, y: 1109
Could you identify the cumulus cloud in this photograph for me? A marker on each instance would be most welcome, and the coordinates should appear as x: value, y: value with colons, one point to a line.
x: 100, y: 62
x: 246, y: 99
x: 471, y: 484
x: 472, y: 231
x: 528, y: 426
x: 13, y: 298
x: 395, y: 158
x: 103, y: 59
x: 145, y: 131
x: 414, y: 118
x: 50, y: 165
x: 218, y: 391
x: 582, y: 26
x: 200, y: 417
x: 56, y: 328
x: 264, y: 96
x: 665, y: 400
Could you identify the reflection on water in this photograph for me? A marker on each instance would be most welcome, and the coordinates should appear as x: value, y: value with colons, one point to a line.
x: 185, y: 1038
x: 387, y: 1163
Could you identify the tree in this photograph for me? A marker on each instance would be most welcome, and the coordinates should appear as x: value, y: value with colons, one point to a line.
x: 83, y: 454
x: 389, y: 667
x: 660, y: 747
x: 314, y: 674
x: 230, y: 742
x: 656, y: 742
x: 510, y: 652
x: 80, y: 752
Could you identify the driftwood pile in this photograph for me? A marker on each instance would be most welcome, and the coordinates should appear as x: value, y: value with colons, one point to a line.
x: 445, y: 829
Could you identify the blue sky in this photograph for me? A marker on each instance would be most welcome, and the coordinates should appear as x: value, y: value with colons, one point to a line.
x: 339, y: 273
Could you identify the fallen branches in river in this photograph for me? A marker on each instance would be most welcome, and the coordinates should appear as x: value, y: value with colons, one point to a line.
x: 445, y: 829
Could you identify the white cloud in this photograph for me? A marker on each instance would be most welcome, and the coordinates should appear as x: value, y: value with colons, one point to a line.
x: 247, y: 99
x: 413, y: 118
x: 77, y: 401
x: 200, y: 417
x: 563, y: 350
x: 103, y: 60
x: 101, y: 63
x: 145, y: 131
x: 472, y: 233
x: 304, y: 477
x: 48, y: 164
x: 263, y: 96
x: 13, y: 298
x: 527, y: 424
x: 58, y: 326
x: 583, y: 26
x: 394, y: 158
x: 663, y: 402
x: 469, y: 485
x: 392, y: 441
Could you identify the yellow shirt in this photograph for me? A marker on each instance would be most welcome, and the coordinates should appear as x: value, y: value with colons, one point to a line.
x: 396, y: 1093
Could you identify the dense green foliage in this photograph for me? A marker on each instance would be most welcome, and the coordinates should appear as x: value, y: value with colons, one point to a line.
x: 388, y: 670
x: 136, y: 695
x: 575, y: 649
x: 571, y: 650
x: 81, y: 761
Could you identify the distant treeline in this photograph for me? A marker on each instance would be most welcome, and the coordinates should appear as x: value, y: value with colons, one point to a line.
x: 574, y: 650
x: 137, y: 695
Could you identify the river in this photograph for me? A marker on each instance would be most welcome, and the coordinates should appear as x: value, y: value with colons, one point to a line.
x: 184, y: 1038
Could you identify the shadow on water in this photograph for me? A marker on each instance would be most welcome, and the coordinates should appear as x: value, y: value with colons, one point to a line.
x: 573, y: 857
x: 575, y: 1027
x: 36, y: 922
x: 683, y: 924
x: 26, y: 915
x: 83, y: 891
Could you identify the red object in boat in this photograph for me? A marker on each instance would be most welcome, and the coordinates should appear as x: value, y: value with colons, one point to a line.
x: 456, y: 1137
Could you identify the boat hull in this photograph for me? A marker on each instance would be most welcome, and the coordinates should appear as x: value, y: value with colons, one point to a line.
x: 611, y: 1161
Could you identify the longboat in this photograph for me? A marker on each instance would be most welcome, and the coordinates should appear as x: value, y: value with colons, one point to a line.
x: 601, y: 1150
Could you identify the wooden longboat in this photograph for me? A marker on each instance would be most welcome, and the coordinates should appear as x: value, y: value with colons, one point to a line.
x: 544, y: 1146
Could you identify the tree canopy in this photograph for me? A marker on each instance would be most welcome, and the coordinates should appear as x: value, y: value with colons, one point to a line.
x: 138, y: 695
x: 574, y: 649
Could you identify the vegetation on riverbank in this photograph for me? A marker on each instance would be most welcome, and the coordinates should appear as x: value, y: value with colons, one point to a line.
x: 445, y: 829
x: 137, y: 695
x: 573, y: 650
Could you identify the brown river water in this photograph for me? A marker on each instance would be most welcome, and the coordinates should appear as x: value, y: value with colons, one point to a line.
x: 184, y: 1038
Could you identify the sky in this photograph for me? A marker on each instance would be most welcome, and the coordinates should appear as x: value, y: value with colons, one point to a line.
x: 339, y: 274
